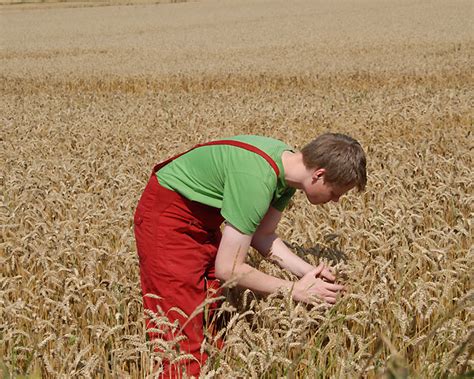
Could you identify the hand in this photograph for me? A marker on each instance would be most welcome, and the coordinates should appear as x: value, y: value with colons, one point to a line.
x: 313, y: 285
x: 325, y: 273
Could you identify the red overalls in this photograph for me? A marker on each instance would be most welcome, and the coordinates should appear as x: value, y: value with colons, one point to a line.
x: 177, y: 241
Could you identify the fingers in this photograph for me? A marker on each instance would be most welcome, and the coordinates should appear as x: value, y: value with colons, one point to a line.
x: 330, y: 300
x: 327, y: 300
x: 316, y: 271
x: 326, y: 291
x: 327, y: 273
x: 324, y: 272
x: 332, y: 296
x: 334, y: 287
x: 309, y: 279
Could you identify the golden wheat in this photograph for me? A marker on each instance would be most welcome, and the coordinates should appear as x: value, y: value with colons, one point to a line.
x: 93, y: 97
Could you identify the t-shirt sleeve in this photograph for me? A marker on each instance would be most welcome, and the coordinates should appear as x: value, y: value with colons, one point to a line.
x: 246, y: 199
x: 282, y: 202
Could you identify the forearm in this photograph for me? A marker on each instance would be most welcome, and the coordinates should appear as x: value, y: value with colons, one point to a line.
x: 272, y: 247
x: 248, y: 277
x: 230, y: 264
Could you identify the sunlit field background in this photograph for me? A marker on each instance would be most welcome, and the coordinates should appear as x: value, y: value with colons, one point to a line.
x: 93, y: 96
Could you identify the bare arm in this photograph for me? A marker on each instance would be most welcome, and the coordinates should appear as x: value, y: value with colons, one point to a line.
x: 230, y: 264
x: 266, y: 241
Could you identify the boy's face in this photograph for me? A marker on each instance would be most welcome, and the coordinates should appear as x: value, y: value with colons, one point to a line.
x: 319, y: 191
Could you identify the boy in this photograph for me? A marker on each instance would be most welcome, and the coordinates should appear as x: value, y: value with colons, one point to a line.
x: 246, y: 181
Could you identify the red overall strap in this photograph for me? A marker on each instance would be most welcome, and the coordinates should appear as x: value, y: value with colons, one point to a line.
x: 240, y: 144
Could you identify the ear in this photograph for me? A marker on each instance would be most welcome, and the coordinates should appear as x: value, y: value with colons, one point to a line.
x: 318, y: 174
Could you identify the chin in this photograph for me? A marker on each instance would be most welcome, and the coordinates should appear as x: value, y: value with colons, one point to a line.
x: 313, y: 201
x: 318, y: 201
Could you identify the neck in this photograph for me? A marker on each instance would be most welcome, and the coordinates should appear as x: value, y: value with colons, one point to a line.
x: 295, y: 170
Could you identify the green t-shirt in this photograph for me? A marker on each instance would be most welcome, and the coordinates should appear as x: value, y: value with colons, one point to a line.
x: 238, y: 181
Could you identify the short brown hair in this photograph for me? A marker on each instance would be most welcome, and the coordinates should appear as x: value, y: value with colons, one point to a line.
x: 342, y: 157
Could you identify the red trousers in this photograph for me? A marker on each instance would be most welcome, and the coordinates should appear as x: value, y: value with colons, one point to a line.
x: 177, y: 241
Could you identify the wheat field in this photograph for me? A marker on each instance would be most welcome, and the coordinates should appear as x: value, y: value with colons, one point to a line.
x: 93, y: 96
